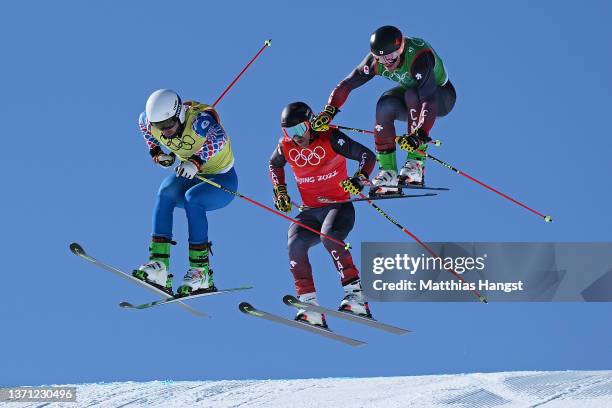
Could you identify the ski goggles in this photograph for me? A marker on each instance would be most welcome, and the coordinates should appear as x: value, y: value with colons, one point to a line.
x: 298, y: 130
x: 165, y: 124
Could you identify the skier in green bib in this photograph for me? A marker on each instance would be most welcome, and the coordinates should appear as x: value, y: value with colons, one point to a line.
x: 424, y: 93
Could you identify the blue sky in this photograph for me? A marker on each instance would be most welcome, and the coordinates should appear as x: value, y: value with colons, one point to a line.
x: 532, y: 118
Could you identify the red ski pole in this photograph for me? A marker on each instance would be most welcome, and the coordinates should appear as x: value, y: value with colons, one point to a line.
x: 346, y: 245
x: 546, y: 218
x: 267, y: 44
x: 421, y: 243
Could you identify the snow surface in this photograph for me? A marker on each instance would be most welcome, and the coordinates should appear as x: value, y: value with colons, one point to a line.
x: 582, y: 389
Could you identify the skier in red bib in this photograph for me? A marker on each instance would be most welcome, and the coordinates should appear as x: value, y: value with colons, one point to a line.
x: 318, y: 161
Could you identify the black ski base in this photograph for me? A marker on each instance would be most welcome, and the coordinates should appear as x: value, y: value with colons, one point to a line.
x: 371, y: 197
x: 400, y: 187
x: 419, y: 187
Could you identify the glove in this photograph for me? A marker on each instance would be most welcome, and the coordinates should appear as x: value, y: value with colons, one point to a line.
x: 323, y: 119
x: 412, y: 142
x: 354, y: 185
x: 282, y: 202
x: 187, y: 169
x: 164, y: 160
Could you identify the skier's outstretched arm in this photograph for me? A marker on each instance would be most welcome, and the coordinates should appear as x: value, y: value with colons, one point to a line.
x: 359, y: 76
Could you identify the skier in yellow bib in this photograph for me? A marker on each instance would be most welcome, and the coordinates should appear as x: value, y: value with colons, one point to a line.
x: 192, y: 132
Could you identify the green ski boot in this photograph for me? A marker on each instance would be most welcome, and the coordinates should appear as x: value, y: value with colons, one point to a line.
x: 156, y: 271
x: 385, y: 182
x: 199, y: 277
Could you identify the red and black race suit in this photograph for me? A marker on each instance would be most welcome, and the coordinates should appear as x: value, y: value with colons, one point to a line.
x: 321, y: 166
x: 400, y: 103
x: 421, y: 69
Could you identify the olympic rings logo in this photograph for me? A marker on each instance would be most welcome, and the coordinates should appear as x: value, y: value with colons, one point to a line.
x: 176, y: 143
x: 306, y: 156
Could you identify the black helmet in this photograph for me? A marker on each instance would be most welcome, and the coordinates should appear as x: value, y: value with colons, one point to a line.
x: 386, y: 40
x: 294, y: 113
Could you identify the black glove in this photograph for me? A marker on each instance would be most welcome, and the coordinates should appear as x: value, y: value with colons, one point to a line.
x: 354, y: 185
x: 323, y: 119
x: 282, y: 201
x: 412, y: 142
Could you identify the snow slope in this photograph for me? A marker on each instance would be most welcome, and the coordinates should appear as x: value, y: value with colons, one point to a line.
x: 515, y: 389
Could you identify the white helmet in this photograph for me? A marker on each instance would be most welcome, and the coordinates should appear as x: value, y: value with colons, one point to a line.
x: 164, y: 104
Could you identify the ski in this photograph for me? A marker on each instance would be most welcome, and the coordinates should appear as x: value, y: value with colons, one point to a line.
x: 128, y: 305
x: 400, y: 188
x: 413, y: 187
x: 248, y: 309
x: 80, y: 252
x: 378, y: 197
x: 294, y: 302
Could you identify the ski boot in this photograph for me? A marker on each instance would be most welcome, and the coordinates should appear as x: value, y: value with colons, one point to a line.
x: 354, y: 301
x: 385, y: 182
x: 199, y: 277
x: 155, y: 272
x: 310, y: 317
x: 413, y: 173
